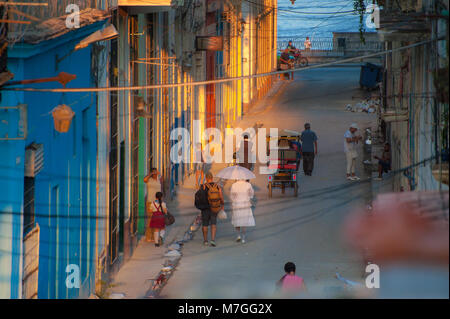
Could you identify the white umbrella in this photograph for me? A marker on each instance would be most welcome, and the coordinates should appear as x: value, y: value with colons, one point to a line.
x: 235, y: 172
x: 295, y: 133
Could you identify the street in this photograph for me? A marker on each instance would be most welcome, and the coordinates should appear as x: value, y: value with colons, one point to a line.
x: 305, y: 230
x: 104, y: 149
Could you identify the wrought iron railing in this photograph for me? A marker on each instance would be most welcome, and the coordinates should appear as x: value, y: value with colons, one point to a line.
x: 331, y: 44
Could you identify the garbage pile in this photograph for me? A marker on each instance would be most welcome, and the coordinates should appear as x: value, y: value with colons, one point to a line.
x: 368, y: 105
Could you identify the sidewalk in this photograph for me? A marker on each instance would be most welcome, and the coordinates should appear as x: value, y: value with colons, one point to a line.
x: 136, y: 277
x: 134, y: 280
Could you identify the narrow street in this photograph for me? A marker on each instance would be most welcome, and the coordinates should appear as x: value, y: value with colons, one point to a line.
x: 305, y: 230
x: 102, y: 150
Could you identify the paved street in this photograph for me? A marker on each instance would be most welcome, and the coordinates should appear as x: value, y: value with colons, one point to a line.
x: 132, y: 92
x: 305, y: 230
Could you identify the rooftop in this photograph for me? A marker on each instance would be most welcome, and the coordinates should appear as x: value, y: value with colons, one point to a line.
x: 55, y: 27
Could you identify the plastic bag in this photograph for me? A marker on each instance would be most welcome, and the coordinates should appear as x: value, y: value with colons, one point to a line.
x: 222, y: 215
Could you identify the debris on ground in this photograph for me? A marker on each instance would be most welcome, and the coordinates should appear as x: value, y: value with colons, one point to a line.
x: 174, y: 246
x: 172, y: 253
x: 369, y: 105
x: 348, y: 283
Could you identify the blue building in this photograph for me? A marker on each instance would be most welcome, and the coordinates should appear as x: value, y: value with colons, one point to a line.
x: 48, y: 179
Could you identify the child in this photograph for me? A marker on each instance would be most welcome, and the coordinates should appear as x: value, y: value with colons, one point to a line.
x: 159, y: 209
x: 290, y: 283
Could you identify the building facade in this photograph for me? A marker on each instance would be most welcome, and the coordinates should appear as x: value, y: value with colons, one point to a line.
x: 74, y: 202
x: 415, y: 94
x: 48, y: 189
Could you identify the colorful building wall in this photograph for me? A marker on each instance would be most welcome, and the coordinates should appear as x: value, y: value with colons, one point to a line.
x: 65, y: 188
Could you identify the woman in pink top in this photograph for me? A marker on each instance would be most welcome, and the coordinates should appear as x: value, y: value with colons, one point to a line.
x: 290, y: 283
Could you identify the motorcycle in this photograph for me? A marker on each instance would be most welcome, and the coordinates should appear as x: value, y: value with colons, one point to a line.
x: 298, y: 59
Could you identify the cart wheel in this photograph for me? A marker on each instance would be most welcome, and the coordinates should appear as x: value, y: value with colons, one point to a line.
x: 270, y: 189
x: 295, y: 190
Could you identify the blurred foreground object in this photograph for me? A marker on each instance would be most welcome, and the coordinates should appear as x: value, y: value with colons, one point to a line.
x: 407, y: 235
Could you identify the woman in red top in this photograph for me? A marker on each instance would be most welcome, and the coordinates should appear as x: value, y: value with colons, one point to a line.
x: 159, y: 209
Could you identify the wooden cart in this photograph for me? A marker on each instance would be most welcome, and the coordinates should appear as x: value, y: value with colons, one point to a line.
x: 286, y: 166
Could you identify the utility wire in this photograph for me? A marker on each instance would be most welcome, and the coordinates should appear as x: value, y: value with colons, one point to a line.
x: 224, y: 80
x: 295, y: 11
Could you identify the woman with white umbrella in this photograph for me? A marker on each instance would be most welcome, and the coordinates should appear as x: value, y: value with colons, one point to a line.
x: 242, y: 217
x: 241, y: 194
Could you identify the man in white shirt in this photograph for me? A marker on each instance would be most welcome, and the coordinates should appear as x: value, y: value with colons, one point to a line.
x: 350, y: 141
x: 307, y: 44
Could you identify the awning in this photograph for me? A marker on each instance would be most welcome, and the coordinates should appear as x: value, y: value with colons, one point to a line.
x: 144, y: 3
x: 145, y: 6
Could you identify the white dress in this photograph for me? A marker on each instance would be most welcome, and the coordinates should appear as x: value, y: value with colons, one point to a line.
x: 241, y: 193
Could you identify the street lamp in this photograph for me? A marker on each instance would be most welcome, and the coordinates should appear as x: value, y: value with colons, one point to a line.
x: 62, y: 118
x: 62, y: 114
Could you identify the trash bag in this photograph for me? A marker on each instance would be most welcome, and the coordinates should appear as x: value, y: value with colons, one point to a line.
x: 222, y: 215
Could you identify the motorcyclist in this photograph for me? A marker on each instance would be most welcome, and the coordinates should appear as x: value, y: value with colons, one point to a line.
x: 292, y: 49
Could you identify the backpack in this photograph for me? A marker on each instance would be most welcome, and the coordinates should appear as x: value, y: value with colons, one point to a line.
x: 201, y: 199
x: 214, y: 198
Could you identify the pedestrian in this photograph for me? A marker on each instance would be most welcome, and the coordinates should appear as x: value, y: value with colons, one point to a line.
x: 245, y: 153
x: 285, y: 63
x: 153, y: 182
x: 384, y: 163
x: 199, y: 161
x: 209, y: 199
x: 291, y: 284
x: 307, y: 44
x: 297, y: 147
x: 242, y: 216
x: 158, y: 209
x: 350, y: 142
x: 309, y: 140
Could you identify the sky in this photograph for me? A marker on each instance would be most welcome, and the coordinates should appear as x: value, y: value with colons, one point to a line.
x: 296, y: 20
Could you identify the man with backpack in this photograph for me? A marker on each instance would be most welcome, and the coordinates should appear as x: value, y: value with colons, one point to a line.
x: 209, y: 199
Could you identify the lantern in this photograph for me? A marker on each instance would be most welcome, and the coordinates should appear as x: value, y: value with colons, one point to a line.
x: 62, y: 117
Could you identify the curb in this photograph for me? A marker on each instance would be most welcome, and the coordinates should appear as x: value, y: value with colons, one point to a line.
x: 171, y: 262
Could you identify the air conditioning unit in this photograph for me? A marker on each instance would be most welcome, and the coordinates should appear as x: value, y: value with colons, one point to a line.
x: 34, y: 159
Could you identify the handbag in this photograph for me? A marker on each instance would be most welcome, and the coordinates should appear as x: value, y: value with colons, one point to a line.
x: 222, y: 215
x: 169, y: 219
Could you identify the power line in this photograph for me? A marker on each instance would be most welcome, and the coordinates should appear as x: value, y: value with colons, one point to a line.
x: 295, y: 11
x: 223, y: 80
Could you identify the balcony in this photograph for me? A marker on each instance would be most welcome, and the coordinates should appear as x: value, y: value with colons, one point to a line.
x: 440, y: 172
x: 395, y: 115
